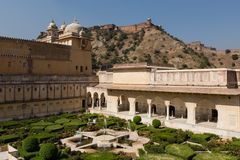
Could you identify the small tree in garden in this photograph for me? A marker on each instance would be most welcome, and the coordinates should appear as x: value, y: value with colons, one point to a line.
x: 156, y: 123
x: 137, y: 119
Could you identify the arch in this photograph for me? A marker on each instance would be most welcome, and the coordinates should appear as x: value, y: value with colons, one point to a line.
x: 102, y: 100
x: 89, y: 99
x: 206, y: 111
x: 123, y: 103
x: 158, y: 106
x: 179, y: 107
x: 141, y: 104
x: 95, y: 99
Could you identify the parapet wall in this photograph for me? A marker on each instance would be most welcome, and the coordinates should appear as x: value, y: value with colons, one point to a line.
x: 223, y: 77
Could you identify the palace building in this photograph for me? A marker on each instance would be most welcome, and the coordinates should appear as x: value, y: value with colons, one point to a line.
x: 45, y: 76
x: 200, y: 100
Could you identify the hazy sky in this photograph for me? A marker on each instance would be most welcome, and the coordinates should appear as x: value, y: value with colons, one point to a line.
x: 214, y: 22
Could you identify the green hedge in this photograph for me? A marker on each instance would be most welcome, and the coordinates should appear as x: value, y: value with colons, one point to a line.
x: 9, y: 124
x: 26, y: 155
x: 163, y: 136
x: 159, y: 157
x: 48, y: 151
x: 37, y: 128
x: 74, y: 124
x: 9, y: 138
x: 44, y: 136
x: 54, y: 128
x: 156, y: 123
x: 42, y: 123
x: 200, y: 138
x: 137, y: 119
x: 214, y: 156
x: 2, y: 130
x: 62, y: 121
x: 180, y: 150
x: 155, y: 148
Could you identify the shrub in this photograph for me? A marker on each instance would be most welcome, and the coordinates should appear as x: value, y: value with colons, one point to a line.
x: 30, y: 144
x: 156, y: 123
x: 44, y: 136
x: 9, y: 124
x: 210, y: 156
x: 62, y: 121
x: 155, y: 148
x: 163, y: 136
x: 200, y: 138
x: 48, y: 151
x: 137, y: 119
x: 140, y: 126
x: 37, y: 128
x: 26, y: 155
x: 180, y: 150
x: 53, y: 128
x: 8, y: 138
x: 141, y: 152
x: 227, y: 51
x: 42, y: 123
x: 234, y: 56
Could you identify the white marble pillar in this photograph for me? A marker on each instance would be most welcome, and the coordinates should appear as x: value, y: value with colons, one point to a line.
x: 132, y: 106
x: 167, y: 104
x: 112, y: 104
x: 92, y: 102
x: 191, y: 112
x: 149, y: 102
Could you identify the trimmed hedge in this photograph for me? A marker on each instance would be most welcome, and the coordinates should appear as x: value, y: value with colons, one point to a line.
x: 159, y: 157
x: 156, y: 123
x: 44, y: 136
x: 42, y: 123
x: 200, y: 138
x: 74, y: 124
x: 48, y: 151
x: 163, y: 136
x: 26, y: 155
x: 2, y: 130
x: 30, y: 144
x: 155, y: 148
x: 9, y: 138
x: 62, y: 121
x: 9, y: 124
x: 37, y: 128
x: 53, y: 128
x: 211, y: 156
x: 137, y: 119
x: 180, y: 150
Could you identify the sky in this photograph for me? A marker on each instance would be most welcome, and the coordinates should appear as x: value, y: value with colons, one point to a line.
x: 216, y: 23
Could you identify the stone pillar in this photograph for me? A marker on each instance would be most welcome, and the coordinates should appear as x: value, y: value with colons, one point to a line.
x: 132, y: 106
x: 100, y: 104
x: 220, y: 120
x: 167, y: 104
x: 112, y: 104
x: 149, y: 102
x: 191, y: 112
x: 92, y: 102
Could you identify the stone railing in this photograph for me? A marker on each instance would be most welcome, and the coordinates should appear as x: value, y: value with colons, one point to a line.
x: 105, y: 77
x: 221, y: 77
x: 196, y: 77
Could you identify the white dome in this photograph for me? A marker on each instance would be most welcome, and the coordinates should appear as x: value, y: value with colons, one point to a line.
x: 74, y: 27
x: 52, y: 24
x: 63, y: 26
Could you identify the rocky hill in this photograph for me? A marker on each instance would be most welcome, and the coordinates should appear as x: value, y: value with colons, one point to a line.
x: 146, y: 42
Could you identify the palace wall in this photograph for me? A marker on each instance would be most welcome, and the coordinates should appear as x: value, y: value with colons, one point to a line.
x: 23, y: 97
x: 31, y: 57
